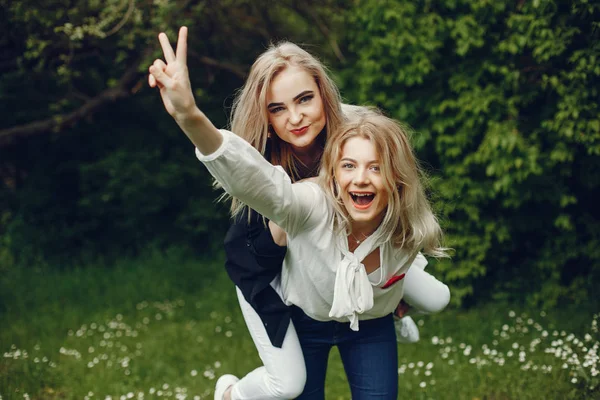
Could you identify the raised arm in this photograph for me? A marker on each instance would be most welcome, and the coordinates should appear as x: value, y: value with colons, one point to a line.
x: 240, y: 168
x: 172, y: 78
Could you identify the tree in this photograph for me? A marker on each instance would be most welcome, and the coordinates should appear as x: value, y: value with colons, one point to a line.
x: 89, y: 159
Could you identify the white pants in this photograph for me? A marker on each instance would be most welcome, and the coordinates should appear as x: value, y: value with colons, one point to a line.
x: 283, y: 374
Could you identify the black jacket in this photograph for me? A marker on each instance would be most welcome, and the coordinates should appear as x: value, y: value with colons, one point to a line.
x: 253, y: 260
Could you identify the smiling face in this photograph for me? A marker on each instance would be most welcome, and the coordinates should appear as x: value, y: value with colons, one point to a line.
x: 361, y: 184
x: 295, y: 109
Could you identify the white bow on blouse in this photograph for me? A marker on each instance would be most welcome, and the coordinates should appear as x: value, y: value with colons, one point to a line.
x: 353, y: 293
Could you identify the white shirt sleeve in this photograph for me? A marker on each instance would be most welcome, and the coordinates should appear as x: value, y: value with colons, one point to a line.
x: 420, y: 261
x: 246, y: 175
x: 422, y: 290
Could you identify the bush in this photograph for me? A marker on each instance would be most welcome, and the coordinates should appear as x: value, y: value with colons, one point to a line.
x: 504, y: 98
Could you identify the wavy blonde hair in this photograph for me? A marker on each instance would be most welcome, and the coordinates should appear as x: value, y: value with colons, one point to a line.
x: 250, y: 118
x: 409, y: 221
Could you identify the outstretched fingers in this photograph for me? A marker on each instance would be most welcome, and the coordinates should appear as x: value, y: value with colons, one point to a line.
x: 171, y: 75
x: 166, y: 47
x: 182, y: 45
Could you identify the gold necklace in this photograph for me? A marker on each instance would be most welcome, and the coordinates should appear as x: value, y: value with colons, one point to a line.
x: 357, y: 240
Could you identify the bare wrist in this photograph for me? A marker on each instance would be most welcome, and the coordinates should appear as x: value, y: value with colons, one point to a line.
x: 193, y: 116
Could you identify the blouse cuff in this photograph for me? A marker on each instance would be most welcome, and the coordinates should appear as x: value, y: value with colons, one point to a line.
x: 213, y: 156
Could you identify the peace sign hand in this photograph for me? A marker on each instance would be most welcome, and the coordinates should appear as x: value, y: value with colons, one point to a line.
x: 173, y: 78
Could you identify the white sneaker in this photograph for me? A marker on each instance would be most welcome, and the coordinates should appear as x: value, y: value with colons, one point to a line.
x: 406, y: 330
x: 224, y: 383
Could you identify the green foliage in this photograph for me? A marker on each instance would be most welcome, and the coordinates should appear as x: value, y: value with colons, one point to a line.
x: 504, y: 98
x: 505, y: 102
x: 121, y: 178
x: 113, y: 193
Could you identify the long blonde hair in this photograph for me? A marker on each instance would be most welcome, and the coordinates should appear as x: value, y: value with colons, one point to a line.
x: 409, y: 221
x: 250, y: 115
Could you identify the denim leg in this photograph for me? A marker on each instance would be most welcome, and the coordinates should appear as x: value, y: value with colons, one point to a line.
x: 370, y: 358
x: 316, y: 340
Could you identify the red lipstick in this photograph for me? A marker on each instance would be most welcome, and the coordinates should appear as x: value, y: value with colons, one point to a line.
x: 300, y: 131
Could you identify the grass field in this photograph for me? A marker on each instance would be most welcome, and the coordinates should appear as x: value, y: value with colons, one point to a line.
x: 166, y: 326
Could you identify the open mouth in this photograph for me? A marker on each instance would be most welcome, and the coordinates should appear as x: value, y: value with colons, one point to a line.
x: 362, y: 200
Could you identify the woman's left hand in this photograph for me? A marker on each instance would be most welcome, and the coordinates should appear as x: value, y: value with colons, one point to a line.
x: 402, y: 309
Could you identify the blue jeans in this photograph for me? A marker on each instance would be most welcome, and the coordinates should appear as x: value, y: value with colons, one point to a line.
x: 370, y: 356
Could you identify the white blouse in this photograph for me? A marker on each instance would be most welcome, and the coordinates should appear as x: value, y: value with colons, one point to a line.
x: 319, y: 274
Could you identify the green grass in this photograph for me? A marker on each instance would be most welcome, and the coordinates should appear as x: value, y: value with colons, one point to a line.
x: 167, y: 325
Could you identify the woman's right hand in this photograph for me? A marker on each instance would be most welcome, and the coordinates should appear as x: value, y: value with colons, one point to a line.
x: 173, y: 78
